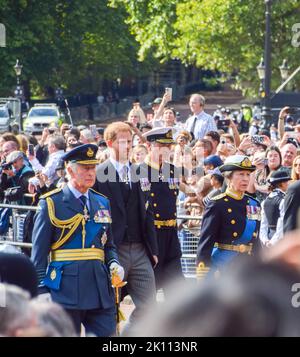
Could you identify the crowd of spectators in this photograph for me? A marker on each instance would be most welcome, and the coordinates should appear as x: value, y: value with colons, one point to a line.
x: 201, y: 146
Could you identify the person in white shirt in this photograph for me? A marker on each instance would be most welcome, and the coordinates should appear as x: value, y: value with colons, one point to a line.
x: 200, y: 122
x: 56, y: 148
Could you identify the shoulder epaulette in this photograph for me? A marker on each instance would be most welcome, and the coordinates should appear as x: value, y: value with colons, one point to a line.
x: 50, y: 193
x: 218, y: 197
x: 98, y: 193
x: 254, y: 199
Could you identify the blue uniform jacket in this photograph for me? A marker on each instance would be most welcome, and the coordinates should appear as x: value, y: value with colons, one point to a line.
x: 74, y: 284
x: 227, y: 220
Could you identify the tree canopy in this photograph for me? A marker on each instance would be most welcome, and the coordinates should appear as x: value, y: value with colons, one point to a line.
x: 224, y: 35
x: 65, y: 42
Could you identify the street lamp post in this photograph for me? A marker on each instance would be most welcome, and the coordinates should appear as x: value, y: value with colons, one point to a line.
x: 18, y: 69
x: 266, y: 109
x: 284, y: 70
x: 59, y: 94
x: 261, y: 70
x: 18, y: 94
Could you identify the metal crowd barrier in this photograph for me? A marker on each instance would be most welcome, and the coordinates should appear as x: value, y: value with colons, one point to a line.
x: 188, y: 236
x: 15, y: 233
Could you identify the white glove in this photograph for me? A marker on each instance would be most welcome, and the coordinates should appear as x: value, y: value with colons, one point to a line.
x: 118, y: 269
x: 46, y: 297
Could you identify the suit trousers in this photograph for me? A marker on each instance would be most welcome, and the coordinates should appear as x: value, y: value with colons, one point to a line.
x: 139, y: 275
x: 168, y: 269
x: 98, y: 322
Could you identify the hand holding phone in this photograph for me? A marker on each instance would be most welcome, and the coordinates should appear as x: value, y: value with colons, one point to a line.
x: 93, y: 130
x: 169, y: 92
x: 31, y: 150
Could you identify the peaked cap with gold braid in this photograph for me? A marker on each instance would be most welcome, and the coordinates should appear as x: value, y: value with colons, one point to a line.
x: 83, y: 154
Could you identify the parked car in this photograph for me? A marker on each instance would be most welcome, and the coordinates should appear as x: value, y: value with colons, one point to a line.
x: 6, y: 118
x: 41, y: 116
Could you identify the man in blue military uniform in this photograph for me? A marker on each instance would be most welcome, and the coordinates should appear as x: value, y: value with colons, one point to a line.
x: 74, y: 226
x: 164, y: 182
x: 231, y: 220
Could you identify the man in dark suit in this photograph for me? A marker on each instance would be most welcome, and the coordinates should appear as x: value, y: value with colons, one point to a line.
x: 74, y: 226
x: 291, y: 207
x: 132, y: 216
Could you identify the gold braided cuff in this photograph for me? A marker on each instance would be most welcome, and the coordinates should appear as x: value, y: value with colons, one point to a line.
x: 166, y: 223
x: 202, y: 270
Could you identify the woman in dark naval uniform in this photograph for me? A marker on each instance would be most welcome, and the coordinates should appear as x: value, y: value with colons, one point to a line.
x: 230, y: 223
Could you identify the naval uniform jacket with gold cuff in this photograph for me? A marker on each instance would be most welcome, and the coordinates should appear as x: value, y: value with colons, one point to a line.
x: 230, y: 223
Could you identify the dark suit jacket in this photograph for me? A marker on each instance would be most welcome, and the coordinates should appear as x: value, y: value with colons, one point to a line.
x: 107, y: 185
x: 291, y: 207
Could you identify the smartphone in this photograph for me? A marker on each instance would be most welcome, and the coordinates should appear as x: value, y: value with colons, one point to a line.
x: 169, y: 91
x: 257, y: 139
x: 31, y: 149
x: 93, y: 130
x: 223, y: 123
x: 293, y: 135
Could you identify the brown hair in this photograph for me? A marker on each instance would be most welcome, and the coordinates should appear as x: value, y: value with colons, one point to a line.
x: 186, y: 134
x: 10, y: 137
x: 228, y: 136
x: 110, y: 133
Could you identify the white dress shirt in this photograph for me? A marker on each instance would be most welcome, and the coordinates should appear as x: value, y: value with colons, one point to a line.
x: 204, y: 124
x: 49, y: 168
x: 77, y: 194
x: 119, y: 168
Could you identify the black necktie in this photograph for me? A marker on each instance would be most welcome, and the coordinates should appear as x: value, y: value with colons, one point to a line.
x: 83, y: 200
x: 193, y: 126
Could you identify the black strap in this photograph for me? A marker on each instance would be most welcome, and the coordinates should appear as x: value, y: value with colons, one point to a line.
x: 193, y: 126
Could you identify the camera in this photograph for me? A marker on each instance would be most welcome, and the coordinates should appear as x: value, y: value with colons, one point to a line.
x: 5, y: 166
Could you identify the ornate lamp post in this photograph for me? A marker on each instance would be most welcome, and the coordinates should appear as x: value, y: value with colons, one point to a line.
x: 284, y: 70
x: 266, y: 64
x: 18, y: 69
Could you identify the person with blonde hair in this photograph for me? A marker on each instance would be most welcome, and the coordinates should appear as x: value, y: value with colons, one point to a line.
x: 136, y: 115
x: 139, y: 154
x: 295, y: 174
x: 23, y: 141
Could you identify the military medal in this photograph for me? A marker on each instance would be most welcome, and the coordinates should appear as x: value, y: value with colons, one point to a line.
x: 145, y: 184
x: 86, y: 214
x: 253, y: 212
x: 102, y: 216
x: 104, y: 238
